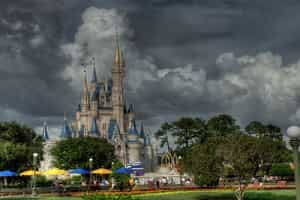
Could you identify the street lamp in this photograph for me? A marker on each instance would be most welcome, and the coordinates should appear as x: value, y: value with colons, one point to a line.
x: 293, y: 133
x: 35, y: 155
x: 180, y: 175
x: 90, y: 178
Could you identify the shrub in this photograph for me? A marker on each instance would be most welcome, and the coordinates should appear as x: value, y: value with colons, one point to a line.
x: 281, y: 170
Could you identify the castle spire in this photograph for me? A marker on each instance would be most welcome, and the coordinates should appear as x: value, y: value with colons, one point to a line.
x: 66, y: 131
x: 142, y: 132
x: 45, y: 132
x: 118, y: 58
x: 85, y: 84
x: 94, y: 74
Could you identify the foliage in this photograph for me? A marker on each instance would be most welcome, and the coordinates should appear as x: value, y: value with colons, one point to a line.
x: 187, y: 132
x: 109, y: 197
x: 121, y: 180
x: 260, y: 130
x: 42, y: 181
x: 163, y: 133
x: 207, y: 167
x: 222, y: 125
x: 17, y: 144
x: 75, y: 153
x: 282, y: 170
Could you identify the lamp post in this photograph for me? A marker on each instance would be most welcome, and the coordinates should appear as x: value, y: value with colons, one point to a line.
x: 90, y: 178
x: 35, y: 155
x: 180, y: 174
x: 293, y: 133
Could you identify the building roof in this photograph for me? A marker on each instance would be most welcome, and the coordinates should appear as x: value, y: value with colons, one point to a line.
x: 66, y: 131
x: 142, y: 131
x: 132, y: 128
x: 45, y: 132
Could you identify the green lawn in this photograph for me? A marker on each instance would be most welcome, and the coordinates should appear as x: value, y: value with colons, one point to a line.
x: 196, y: 195
x: 227, y: 195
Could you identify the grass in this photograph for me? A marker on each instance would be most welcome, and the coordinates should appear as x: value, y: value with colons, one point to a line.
x: 223, y: 195
x: 195, y: 195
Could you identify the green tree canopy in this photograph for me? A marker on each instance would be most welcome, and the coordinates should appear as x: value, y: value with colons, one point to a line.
x: 17, y: 144
x: 258, y: 129
x: 222, y: 124
x: 75, y: 153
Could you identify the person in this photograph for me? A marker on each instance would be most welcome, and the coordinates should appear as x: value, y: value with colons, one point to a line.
x: 157, y: 184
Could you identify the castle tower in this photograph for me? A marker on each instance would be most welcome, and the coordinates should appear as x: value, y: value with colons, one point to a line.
x: 48, y: 144
x: 85, y: 94
x: 133, y: 144
x: 117, y: 86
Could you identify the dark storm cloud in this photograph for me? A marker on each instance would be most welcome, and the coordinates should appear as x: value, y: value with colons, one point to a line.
x: 170, y: 33
x: 31, y: 62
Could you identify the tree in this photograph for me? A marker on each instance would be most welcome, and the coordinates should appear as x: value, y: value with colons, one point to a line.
x: 188, y: 131
x: 122, y: 180
x: 238, y: 155
x: 269, y: 148
x: 203, y: 161
x: 222, y: 124
x: 163, y: 133
x: 255, y: 128
x: 75, y: 153
x: 260, y: 130
x: 17, y: 144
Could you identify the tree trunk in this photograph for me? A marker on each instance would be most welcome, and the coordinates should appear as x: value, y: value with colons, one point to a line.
x: 239, y: 193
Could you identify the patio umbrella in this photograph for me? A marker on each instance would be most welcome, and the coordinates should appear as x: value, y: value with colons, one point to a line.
x: 30, y: 173
x: 122, y: 170
x: 102, y: 171
x: 7, y: 173
x: 79, y: 171
x: 55, y: 171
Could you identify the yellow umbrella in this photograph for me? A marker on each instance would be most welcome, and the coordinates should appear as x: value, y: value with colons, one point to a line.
x: 30, y: 173
x: 55, y: 171
x: 101, y: 171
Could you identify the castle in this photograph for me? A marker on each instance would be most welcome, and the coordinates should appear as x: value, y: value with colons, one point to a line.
x: 102, y: 112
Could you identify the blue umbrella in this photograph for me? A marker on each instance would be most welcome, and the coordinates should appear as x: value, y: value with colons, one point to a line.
x: 79, y: 171
x: 7, y: 173
x: 122, y: 170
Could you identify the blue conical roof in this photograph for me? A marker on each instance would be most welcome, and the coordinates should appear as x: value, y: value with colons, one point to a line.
x: 66, y: 131
x: 142, y: 132
x: 94, y: 127
x: 132, y: 128
x: 45, y: 132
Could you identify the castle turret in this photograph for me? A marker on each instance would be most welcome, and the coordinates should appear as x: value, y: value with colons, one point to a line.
x: 148, y: 154
x: 66, y: 131
x: 94, y: 128
x: 133, y: 143
x: 45, y: 132
x: 117, y: 85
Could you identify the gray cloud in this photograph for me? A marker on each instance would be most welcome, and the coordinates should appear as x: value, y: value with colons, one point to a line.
x: 195, y: 58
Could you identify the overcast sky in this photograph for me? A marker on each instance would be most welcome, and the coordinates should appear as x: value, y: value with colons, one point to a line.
x: 184, y: 58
